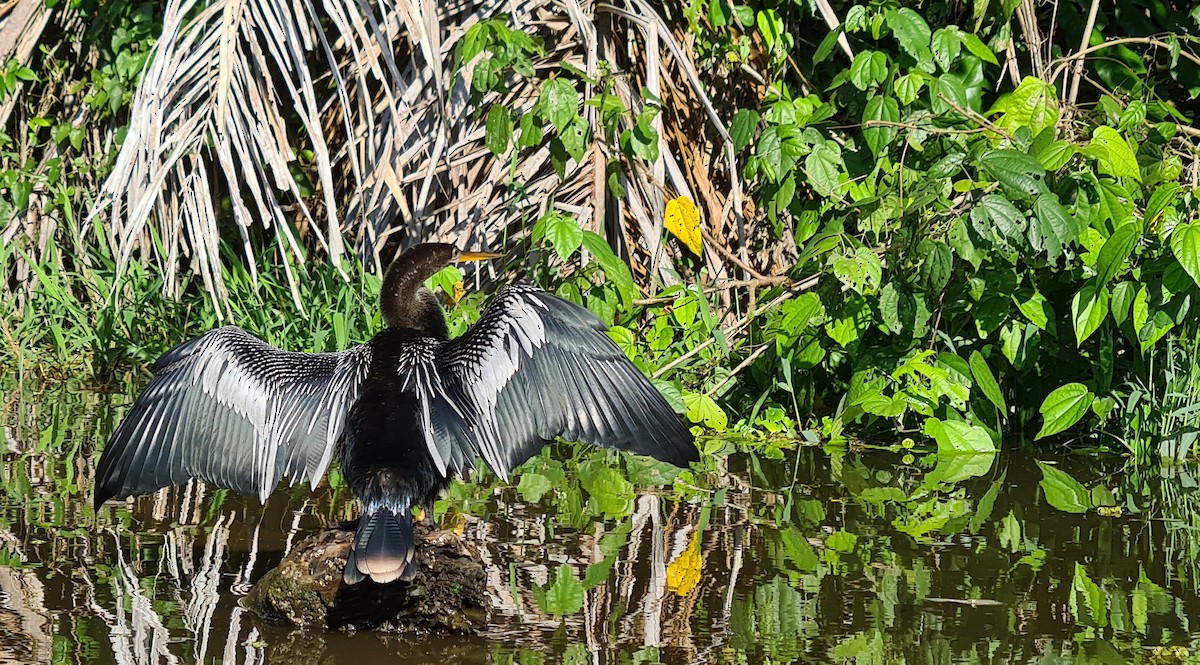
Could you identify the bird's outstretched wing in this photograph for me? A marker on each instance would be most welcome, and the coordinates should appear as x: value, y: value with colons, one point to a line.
x: 235, y: 411
x: 535, y: 367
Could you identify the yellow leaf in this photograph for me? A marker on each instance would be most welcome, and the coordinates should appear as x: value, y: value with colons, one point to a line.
x: 683, y: 574
x: 683, y: 221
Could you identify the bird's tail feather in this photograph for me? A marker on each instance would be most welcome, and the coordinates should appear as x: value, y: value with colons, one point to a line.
x: 383, y: 547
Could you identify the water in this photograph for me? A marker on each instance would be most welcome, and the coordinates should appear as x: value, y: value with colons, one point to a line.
x: 808, y: 557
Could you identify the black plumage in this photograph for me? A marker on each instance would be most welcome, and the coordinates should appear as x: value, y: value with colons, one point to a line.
x: 403, y: 413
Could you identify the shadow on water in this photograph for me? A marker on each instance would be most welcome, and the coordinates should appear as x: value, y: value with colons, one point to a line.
x: 808, y: 557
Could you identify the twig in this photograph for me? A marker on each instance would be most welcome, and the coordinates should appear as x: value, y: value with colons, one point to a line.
x: 723, y: 251
x: 1083, y: 42
x: 971, y: 115
x: 1146, y: 41
x: 737, y: 326
x: 741, y: 366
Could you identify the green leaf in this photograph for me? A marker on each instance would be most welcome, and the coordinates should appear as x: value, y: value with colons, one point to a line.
x: 868, y: 69
x: 741, y: 129
x: 702, y: 409
x: 499, y: 129
x: 565, y: 596
x: 956, y: 436
x: 1062, y: 491
x: 1116, y: 249
x: 1015, y: 170
x: 1056, y: 227
x: 908, y: 87
x: 1034, y: 105
x: 1035, y: 307
x: 1185, y: 245
x: 1064, y: 407
x: 937, y: 265
x: 609, y: 492
x: 1159, y: 200
x: 880, y: 109
x: 1088, y: 309
x: 912, y: 32
x: 560, y: 102
x: 614, y: 268
x: 1003, y: 215
x: 987, y: 382
x: 946, y: 47
x: 533, y: 486
x: 823, y: 167
x: 980, y: 50
x: 563, y: 233
x: 1113, y: 154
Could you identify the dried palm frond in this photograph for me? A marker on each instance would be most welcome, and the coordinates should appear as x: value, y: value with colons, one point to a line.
x: 236, y: 86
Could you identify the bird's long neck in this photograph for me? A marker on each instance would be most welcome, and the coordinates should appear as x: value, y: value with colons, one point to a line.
x: 405, y: 301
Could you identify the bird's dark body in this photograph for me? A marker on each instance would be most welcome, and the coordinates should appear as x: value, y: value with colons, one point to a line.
x: 384, y: 456
x: 402, y: 414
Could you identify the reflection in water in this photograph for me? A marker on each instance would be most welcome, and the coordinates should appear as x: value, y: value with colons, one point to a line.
x: 809, y: 558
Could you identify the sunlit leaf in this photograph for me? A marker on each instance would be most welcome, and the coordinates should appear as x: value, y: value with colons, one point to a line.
x: 1113, y: 154
x: 1063, y: 407
x: 987, y: 381
x: 1185, y: 245
x: 564, y: 596
x: 1088, y: 309
x: 683, y: 574
x: 682, y: 219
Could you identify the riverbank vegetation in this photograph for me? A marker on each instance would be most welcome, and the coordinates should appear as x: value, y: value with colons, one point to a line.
x: 938, y: 227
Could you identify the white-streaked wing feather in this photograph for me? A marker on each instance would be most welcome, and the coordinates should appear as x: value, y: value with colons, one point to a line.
x: 535, y: 367
x: 233, y: 410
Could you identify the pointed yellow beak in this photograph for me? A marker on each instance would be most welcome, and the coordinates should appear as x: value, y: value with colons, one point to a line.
x: 464, y: 257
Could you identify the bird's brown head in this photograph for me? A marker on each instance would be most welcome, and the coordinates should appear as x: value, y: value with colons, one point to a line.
x: 405, y: 301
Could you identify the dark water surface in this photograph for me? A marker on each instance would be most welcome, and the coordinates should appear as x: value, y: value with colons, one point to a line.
x: 798, y: 557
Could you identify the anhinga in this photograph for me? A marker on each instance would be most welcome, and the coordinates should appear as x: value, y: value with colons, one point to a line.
x: 404, y: 412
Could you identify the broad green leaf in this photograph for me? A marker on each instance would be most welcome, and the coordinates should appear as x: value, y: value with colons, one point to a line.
x: 1121, y: 302
x: 702, y: 409
x: 742, y: 128
x: 1056, y: 154
x: 1113, y: 154
x: 880, y: 109
x: 1094, y: 598
x: 912, y: 32
x: 1015, y: 170
x: 614, y: 268
x: 946, y: 46
x: 987, y: 382
x: 561, y: 102
x: 564, y: 596
x: 980, y: 50
x: 1116, y: 249
x: 1162, y: 197
x: 563, y: 233
x: 1035, y: 307
x: 956, y: 467
x: 498, y: 129
x: 1062, y: 491
x: 1034, y: 105
x: 1063, y: 407
x: 956, y: 436
x: 1185, y: 245
x: 1088, y: 309
x: 996, y: 213
x: 1056, y: 226
x: 823, y: 166
x: 908, y: 87
x: 533, y: 486
x: 868, y: 69
x: 937, y: 265
x: 609, y: 492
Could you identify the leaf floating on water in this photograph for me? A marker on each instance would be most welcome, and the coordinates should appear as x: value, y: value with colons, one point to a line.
x: 683, y: 221
x: 683, y: 574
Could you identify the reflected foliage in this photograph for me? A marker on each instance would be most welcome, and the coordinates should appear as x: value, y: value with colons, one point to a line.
x: 820, y: 555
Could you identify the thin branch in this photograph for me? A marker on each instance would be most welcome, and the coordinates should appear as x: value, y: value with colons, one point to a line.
x: 1083, y: 42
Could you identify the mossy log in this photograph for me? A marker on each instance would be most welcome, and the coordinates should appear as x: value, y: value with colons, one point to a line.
x: 448, y: 594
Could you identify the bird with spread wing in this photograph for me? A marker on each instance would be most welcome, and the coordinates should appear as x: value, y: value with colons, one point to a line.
x: 403, y: 414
